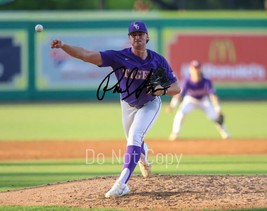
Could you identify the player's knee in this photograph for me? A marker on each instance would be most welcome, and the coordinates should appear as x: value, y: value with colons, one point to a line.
x: 136, y: 138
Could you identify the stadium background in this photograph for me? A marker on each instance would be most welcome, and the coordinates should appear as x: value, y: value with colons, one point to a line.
x: 231, y: 47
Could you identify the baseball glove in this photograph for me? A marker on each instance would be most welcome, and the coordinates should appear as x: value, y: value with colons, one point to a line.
x: 220, y: 119
x: 159, y: 81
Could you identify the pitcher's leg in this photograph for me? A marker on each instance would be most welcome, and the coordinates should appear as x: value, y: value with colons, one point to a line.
x: 144, y: 164
x: 143, y: 152
x: 128, y: 114
x: 143, y: 120
x: 131, y: 159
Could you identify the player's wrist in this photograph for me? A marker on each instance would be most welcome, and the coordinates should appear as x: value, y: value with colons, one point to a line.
x: 62, y: 44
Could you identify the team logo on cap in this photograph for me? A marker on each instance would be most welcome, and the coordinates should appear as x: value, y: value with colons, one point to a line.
x: 136, y: 26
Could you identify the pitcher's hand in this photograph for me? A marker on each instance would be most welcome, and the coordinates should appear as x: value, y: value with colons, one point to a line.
x: 56, y: 44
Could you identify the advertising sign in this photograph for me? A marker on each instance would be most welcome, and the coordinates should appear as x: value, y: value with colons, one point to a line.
x: 227, y: 58
x: 13, y: 60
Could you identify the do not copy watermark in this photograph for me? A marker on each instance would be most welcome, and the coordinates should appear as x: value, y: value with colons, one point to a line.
x: 118, y: 157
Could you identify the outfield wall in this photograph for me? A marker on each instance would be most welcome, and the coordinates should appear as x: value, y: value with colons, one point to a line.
x: 232, y: 49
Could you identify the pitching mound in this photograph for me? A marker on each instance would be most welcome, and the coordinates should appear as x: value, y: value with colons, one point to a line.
x: 159, y: 192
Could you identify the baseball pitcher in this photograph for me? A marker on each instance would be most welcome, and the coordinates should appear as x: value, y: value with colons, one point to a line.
x: 141, y: 82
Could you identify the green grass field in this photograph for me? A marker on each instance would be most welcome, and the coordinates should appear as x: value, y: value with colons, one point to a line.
x: 21, y: 174
x: 102, y: 121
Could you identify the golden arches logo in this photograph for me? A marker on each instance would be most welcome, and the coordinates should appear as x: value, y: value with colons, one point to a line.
x: 222, y: 50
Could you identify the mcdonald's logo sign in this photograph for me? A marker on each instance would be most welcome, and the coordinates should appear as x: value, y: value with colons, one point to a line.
x: 222, y: 50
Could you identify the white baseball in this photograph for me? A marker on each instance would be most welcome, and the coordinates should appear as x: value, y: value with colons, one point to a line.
x: 39, y: 28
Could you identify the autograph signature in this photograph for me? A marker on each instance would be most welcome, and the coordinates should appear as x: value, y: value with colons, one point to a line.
x: 104, y: 85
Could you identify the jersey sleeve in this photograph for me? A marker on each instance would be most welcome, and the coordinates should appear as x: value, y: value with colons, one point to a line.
x: 210, y: 88
x: 108, y: 58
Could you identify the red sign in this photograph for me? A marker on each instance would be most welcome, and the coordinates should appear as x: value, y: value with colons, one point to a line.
x: 233, y: 58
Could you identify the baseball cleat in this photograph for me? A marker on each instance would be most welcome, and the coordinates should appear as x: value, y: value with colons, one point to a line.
x: 118, y: 190
x: 145, y: 166
x: 172, y: 137
x: 225, y: 135
x: 222, y: 130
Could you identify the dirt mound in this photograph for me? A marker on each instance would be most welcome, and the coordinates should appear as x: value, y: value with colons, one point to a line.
x: 159, y: 192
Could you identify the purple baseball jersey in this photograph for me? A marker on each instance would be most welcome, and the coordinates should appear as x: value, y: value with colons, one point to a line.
x: 197, y: 89
x: 132, y: 71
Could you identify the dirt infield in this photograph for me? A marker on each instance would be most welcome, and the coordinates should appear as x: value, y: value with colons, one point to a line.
x: 159, y: 192
x: 12, y: 150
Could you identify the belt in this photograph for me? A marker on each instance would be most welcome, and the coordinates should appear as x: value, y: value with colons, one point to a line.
x: 136, y: 106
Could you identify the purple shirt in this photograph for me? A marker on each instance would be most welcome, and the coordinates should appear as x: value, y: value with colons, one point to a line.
x: 197, y: 89
x: 134, y: 72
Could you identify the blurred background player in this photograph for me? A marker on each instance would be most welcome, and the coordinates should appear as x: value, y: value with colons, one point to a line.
x: 196, y: 92
x: 139, y: 108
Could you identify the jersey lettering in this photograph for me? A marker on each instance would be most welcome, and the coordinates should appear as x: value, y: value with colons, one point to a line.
x: 136, y: 74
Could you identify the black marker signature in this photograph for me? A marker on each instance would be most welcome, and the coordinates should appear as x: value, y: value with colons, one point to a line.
x: 104, y: 85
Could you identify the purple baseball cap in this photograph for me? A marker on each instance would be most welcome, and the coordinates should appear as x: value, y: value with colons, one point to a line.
x: 137, y: 26
x: 195, y: 63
